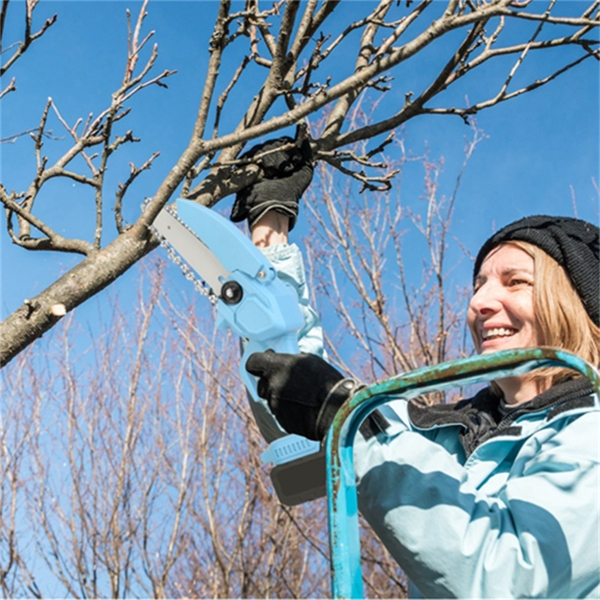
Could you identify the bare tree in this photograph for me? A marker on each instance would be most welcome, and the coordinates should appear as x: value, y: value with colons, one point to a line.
x: 135, y: 471
x: 284, y: 80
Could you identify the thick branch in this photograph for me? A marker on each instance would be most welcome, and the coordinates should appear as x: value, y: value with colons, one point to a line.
x: 365, y: 54
x: 85, y: 280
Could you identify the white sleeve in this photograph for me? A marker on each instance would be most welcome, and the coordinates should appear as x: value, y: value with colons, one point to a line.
x: 287, y: 260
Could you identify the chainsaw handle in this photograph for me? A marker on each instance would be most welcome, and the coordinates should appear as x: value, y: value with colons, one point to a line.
x: 267, y: 423
x: 298, y: 474
x: 265, y: 314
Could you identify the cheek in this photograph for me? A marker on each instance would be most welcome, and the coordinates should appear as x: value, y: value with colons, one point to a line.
x: 525, y: 313
x: 524, y: 309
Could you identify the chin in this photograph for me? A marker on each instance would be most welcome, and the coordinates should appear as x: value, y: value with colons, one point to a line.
x: 496, y: 346
x: 515, y: 342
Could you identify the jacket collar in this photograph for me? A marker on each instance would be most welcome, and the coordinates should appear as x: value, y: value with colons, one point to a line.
x: 481, y: 419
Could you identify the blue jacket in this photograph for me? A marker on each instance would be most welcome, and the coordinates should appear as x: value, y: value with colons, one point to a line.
x: 473, y: 504
x: 472, y: 510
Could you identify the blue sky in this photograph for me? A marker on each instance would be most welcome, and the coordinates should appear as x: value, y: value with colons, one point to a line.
x: 541, y: 149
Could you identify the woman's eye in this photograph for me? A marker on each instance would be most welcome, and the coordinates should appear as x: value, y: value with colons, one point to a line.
x: 521, y: 282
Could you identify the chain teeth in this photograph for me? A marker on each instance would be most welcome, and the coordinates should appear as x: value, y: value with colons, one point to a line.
x: 188, y: 273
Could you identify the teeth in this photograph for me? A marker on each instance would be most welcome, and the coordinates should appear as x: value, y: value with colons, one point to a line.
x: 497, y: 332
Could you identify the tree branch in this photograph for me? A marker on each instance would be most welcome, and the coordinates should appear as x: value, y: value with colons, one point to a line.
x: 29, y: 37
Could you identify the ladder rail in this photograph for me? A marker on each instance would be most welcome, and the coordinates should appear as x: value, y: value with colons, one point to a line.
x: 344, y: 541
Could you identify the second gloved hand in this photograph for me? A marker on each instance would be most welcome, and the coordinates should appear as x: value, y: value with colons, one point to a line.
x: 303, y: 391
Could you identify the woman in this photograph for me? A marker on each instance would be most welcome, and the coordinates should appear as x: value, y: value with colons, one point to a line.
x: 497, y: 495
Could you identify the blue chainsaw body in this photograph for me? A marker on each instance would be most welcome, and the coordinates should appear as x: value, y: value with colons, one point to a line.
x: 268, y: 311
x: 267, y: 316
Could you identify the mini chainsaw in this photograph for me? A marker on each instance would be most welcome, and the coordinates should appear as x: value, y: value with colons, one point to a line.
x: 263, y: 311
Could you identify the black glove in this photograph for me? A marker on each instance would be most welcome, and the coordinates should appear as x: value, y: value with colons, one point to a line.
x: 303, y: 391
x: 287, y: 175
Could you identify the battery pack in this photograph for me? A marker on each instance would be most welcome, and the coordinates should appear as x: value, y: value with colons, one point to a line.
x: 300, y: 480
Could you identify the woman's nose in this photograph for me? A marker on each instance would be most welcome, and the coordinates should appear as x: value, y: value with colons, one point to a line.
x: 486, y: 300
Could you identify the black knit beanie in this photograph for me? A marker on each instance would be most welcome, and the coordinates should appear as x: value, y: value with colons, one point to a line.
x: 572, y: 243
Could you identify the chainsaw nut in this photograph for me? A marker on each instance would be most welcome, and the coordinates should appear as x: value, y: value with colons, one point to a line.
x: 231, y: 292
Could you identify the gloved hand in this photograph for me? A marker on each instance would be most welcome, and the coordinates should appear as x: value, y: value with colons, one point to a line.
x: 303, y: 391
x: 287, y: 175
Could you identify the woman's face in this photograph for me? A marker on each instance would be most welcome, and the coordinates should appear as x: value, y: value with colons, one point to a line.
x: 501, y: 315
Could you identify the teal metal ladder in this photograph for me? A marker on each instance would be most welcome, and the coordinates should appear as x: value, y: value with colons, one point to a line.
x: 344, y: 543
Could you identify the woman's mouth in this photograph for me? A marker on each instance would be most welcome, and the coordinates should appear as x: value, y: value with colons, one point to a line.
x: 497, y: 332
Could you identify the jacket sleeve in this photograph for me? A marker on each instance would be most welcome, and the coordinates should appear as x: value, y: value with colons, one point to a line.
x: 528, y: 530
x: 287, y: 260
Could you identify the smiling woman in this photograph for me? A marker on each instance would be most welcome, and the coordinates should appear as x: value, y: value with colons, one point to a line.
x: 536, y: 284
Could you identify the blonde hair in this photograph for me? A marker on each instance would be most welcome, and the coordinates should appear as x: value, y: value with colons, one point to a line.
x: 562, y: 320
